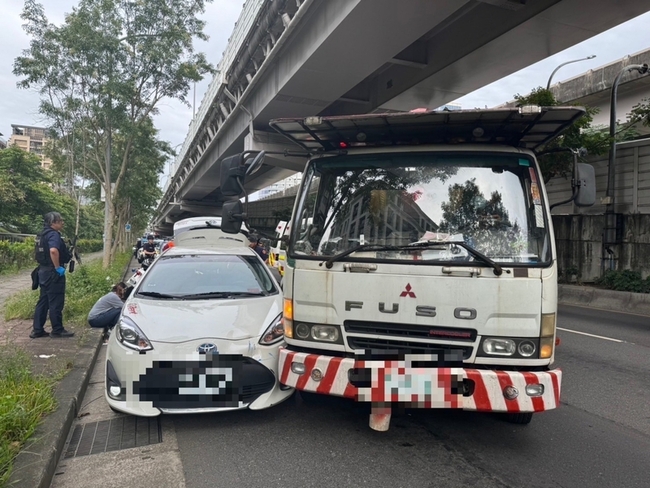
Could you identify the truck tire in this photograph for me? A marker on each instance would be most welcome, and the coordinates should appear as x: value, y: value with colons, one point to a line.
x: 519, y: 418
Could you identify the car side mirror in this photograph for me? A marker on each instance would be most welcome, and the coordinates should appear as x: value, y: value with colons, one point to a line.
x: 232, y: 217
x: 586, y: 185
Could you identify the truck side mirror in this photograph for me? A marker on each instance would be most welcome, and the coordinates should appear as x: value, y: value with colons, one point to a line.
x: 232, y: 217
x: 586, y: 185
x: 234, y: 171
x: 254, y: 166
x: 232, y: 176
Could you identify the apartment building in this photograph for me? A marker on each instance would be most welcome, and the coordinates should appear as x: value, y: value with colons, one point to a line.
x: 31, y: 139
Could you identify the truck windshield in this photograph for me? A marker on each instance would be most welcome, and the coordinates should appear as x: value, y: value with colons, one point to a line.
x: 419, y: 207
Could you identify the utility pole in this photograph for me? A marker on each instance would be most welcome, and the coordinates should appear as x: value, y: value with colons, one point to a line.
x: 610, y: 195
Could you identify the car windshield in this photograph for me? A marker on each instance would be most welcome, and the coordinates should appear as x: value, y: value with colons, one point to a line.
x: 195, y: 276
x: 420, y: 207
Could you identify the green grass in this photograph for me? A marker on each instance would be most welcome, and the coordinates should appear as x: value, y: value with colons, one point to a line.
x: 24, y: 400
x: 83, y: 288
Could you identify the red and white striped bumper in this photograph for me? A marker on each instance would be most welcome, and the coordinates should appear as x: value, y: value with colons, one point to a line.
x: 396, y: 381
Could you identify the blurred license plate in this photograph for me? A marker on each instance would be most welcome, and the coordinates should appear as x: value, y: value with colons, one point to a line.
x: 418, y: 387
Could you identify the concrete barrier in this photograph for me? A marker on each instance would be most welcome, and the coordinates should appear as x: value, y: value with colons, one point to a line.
x: 616, y: 301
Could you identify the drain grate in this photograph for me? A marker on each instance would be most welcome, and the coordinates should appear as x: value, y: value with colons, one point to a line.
x: 113, y: 435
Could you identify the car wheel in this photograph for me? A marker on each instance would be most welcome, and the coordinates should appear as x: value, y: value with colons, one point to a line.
x: 519, y: 418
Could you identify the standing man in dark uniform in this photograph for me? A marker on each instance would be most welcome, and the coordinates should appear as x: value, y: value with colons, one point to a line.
x: 52, y: 255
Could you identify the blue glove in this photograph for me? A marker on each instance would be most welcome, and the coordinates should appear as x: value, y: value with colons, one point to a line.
x: 60, y: 270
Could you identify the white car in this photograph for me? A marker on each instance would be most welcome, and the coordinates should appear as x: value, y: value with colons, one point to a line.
x: 201, y: 332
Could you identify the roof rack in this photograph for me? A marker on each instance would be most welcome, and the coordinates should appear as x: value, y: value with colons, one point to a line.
x: 528, y: 127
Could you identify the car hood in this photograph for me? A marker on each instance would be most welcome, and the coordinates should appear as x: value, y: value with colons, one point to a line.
x: 183, y: 320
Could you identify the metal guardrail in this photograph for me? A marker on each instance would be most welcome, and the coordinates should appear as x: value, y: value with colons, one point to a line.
x: 15, y: 237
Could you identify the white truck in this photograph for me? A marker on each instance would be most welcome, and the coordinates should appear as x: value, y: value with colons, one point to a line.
x: 421, y: 267
x: 278, y: 252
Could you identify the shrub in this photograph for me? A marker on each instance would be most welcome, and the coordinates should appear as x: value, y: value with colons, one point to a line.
x: 16, y: 255
x: 625, y: 280
x: 19, y: 255
x: 90, y: 245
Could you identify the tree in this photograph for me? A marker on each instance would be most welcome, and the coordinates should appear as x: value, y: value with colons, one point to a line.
x: 26, y: 195
x: 640, y: 113
x: 580, y: 134
x: 105, y: 70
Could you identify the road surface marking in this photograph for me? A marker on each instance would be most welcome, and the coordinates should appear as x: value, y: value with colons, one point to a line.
x: 593, y: 335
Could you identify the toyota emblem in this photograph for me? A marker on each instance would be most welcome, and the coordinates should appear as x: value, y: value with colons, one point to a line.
x: 207, y: 348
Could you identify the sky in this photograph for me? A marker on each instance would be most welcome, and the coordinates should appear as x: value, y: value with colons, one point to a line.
x: 20, y: 106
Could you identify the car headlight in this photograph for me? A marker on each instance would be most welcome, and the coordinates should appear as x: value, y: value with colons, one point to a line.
x: 274, y: 333
x: 129, y: 334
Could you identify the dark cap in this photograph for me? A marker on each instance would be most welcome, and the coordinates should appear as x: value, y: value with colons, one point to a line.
x: 253, y: 238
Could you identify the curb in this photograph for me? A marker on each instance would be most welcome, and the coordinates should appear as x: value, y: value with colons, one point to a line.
x: 597, y: 298
x: 36, y: 465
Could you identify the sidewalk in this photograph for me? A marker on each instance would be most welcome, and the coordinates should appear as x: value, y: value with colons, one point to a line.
x: 35, y: 465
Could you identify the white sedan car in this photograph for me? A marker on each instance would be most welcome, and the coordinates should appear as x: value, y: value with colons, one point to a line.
x: 200, y: 333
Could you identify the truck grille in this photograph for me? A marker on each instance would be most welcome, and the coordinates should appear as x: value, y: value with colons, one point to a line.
x: 409, y: 330
x: 405, y: 347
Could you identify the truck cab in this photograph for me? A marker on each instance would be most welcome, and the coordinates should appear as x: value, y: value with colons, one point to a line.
x: 421, y: 266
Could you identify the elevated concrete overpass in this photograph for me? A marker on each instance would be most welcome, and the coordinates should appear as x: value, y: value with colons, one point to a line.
x: 325, y: 57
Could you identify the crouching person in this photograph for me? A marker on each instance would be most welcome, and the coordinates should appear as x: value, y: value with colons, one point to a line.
x: 106, y: 312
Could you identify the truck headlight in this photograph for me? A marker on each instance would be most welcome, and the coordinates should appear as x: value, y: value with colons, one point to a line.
x: 526, y: 348
x: 514, y: 347
x: 274, y: 333
x: 302, y: 331
x: 499, y: 347
x: 325, y: 333
x: 130, y: 335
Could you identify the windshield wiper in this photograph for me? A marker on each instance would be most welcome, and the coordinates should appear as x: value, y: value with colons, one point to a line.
x: 361, y: 247
x: 498, y: 270
x: 209, y: 294
x: 221, y: 294
x: 155, y: 294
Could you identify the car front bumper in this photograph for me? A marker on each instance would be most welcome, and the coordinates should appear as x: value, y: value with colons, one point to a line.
x: 176, y: 378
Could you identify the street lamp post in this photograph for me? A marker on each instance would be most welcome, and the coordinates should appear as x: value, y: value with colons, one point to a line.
x: 548, y: 85
x: 610, y: 195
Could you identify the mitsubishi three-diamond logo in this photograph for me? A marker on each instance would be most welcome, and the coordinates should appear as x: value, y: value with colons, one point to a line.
x: 407, y: 292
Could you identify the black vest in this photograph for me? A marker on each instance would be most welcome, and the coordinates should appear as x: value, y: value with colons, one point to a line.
x: 42, y: 250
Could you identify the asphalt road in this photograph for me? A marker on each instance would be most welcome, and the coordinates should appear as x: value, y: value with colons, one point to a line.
x: 600, y: 437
